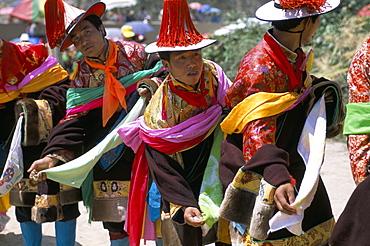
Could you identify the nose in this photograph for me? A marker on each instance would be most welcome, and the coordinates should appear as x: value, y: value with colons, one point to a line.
x: 84, y: 41
x: 192, y: 64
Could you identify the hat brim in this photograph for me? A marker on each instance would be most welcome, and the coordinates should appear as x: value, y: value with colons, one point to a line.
x: 153, y: 48
x: 268, y: 11
x: 97, y: 9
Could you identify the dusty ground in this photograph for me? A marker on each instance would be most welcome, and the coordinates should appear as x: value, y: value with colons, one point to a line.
x: 335, y: 172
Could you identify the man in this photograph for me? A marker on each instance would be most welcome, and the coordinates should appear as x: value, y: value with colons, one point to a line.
x: 33, y: 84
x: 103, y: 102
x: 351, y: 227
x: 273, y: 98
x: 187, y: 106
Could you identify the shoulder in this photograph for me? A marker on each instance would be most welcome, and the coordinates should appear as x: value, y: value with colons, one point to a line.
x: 127, y: 45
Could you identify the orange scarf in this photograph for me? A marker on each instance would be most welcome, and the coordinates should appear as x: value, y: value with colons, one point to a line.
x: 114, y: 91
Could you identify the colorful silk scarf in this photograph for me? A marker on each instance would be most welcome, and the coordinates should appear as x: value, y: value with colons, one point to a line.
x: 82, y: 99
x: 48, y: 73
x: 277, y: 54
x: 169, y: 140
x: 194, y: 99
x: 114, y: 91
x: 357, y: 119
x: 19, y: 59
x: 257, y: 106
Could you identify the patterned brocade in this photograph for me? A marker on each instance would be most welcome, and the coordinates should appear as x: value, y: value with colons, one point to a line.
x: 167, y: 109
x: 359, y: 92
x: 318, y: 235
x: 258, y: 73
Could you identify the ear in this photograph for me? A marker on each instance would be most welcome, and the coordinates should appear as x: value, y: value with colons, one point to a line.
x: 166, y: 65
x: 306, y: 21
x: 102, y: 30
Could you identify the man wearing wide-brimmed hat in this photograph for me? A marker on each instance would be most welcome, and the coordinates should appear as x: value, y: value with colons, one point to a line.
x: 102, y: 93
x: 180, y: 138
x: 276, y: 104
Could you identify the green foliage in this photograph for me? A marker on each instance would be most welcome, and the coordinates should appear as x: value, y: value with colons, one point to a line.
x: 231, y: 48
x: 340, y: 35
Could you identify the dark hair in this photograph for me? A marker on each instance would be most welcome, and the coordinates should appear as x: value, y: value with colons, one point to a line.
x: 286, y: 25
x: 95, y: 20
x: 165, y: 55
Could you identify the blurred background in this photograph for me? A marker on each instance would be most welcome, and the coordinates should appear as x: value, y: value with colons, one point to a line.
x: 231, y: 22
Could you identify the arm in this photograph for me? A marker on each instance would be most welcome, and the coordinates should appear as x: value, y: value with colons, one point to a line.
x: 359, y: 92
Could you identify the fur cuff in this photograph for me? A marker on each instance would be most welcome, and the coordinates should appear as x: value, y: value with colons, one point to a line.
x: 263, y: 211
x: 30, y: 109
x: 109, y: 209
x: 238, y: 205
x: 47, y: 209
x: 37, y: 120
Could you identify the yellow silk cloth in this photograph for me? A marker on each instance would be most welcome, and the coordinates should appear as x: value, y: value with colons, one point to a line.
x: 4, y: 203
x: 114, y: 91
x: 257, y: 106
x: 40, y: 82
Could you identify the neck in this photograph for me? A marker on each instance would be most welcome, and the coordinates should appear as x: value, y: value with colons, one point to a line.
x: 289, y: 40
x: 102, y: 57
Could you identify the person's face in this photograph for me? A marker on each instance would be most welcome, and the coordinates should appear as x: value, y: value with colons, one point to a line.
x: 185, y: 66
x: 310, y: 31
x: 88, y: 39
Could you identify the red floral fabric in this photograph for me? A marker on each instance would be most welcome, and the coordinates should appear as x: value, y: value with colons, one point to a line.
x: 359, y: 92
x: 258, y: 73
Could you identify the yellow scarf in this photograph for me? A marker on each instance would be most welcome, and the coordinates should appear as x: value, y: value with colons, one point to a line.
x: 40, y: 82
x: 114, y: 91
x: 257, y: 106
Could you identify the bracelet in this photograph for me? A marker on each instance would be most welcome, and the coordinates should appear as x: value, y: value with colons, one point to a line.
x: 56, y: 156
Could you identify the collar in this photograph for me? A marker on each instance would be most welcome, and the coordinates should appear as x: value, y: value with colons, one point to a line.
x: 291, y: 55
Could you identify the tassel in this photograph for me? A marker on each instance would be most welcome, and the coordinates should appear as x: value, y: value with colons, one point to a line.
x: 311, y: 5
x: 177, y: 28
x: 55, y: 23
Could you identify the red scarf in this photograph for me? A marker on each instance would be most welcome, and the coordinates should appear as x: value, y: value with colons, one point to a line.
x: 279, y: 57
x: 197, y: 100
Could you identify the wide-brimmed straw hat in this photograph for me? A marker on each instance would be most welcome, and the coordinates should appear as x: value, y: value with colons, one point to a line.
x: 61, y: 18
x: 177, y: 32
x: 277, y: 10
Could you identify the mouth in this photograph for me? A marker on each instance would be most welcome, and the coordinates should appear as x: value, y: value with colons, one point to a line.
x: 193, y: 73
x: 88, y: 48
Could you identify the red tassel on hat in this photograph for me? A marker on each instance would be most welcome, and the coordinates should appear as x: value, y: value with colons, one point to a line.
x: 311, y: 5
x: 177, y: 28
x: 54, y: 22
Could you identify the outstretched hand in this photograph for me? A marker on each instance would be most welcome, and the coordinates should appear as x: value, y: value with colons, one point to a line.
x: 193, y: 217
x: 41, y: 164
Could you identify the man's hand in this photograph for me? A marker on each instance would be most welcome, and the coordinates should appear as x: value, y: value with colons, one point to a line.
x: 42, y: 164
x: 284, y: 196
x: 192, y: 216
x: 145, y: 92
x: 329, y: 96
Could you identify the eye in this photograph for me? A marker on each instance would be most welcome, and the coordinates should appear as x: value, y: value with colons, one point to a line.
x: 74, y: 39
